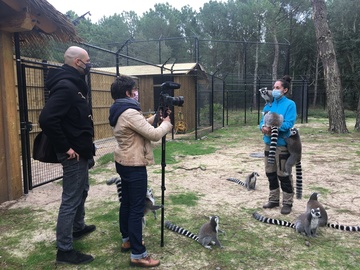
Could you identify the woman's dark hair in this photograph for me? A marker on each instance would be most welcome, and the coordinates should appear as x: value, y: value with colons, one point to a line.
x: 120, y: 86
x: 285, y: 82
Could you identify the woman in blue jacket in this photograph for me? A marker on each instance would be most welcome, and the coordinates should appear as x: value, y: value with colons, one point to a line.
x: 275, y: 171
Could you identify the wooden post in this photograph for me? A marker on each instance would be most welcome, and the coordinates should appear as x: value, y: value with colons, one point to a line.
x: 10, y: 166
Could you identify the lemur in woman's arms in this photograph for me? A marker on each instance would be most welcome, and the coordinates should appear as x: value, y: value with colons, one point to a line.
x: 208, y: 233
x: 308, y: 222
x: 273, y: 120
x: 250, y: 181
x: 149, y: 201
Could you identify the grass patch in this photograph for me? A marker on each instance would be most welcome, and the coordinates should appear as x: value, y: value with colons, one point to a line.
x: 105, y: 159
x: 187, y: 199
x: 177, y: 149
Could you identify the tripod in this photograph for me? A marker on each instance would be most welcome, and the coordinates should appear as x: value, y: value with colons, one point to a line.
x: 163, y: 165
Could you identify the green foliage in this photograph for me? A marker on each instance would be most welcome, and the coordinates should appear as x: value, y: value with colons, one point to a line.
x: 205, y: 113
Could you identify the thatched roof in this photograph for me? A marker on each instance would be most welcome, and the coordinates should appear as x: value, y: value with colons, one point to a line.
x: 36, y: 21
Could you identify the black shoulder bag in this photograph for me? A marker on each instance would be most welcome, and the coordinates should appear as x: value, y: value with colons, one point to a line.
x: 43, y: 149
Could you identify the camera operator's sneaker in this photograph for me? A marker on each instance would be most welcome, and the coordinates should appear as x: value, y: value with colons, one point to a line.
x: 72, y: 257
x: 80, y: 234
x: 144, y: 262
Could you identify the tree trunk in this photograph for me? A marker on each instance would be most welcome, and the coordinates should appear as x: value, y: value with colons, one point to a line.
x: 357, y: 124
x: 333, y: 87
x: 254, y: 105
x: 316, y: 79
x: 276, y: 56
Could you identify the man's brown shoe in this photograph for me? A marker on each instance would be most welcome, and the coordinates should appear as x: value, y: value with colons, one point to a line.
x: 144, y: 262
x: 125, y: 247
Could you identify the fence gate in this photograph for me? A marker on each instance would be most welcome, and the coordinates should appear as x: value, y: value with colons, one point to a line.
x: 32, y: 98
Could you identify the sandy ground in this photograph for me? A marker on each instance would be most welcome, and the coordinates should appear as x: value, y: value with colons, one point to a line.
x: 333, y: 168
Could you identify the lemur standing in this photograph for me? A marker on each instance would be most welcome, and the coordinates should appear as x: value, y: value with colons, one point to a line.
x: 149, y: 200
x: 208, y: 233
x: 306, y: 223
x: 294, y: 148
x: 250, y: 181
x: 315, y: 216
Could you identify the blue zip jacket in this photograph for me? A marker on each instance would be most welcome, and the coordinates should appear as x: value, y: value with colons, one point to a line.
x: 287, y: 108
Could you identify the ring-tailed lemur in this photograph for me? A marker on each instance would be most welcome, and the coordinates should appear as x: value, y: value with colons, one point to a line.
x: 250, y: 181
x: 266, y: 95
x: 313, y: 203
x: 294, y: 148
x: 306, y: 223
x: 273, y: 120
x: 208, y: 233
x: 149, y: 200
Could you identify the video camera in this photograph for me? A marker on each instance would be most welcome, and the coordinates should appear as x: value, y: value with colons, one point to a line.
x: 166, y: 100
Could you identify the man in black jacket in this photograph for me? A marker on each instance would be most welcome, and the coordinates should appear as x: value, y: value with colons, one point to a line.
x: 67, y: 121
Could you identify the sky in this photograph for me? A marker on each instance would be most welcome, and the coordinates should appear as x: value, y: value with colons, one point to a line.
x: 101, y: 8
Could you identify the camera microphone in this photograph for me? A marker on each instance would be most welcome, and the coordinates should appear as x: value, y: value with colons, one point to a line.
x: 170, y: 85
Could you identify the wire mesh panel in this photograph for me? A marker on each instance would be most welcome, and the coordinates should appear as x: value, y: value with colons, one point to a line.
x: 36, y: 95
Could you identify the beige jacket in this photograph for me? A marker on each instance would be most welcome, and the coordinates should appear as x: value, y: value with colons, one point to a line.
x: 133, y: 134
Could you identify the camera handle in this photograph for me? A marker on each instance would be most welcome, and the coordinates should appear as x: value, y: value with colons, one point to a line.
x: 163, y: 165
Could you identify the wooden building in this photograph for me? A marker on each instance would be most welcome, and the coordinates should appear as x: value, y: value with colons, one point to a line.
x: 31, y: 22
x: 150, y: 78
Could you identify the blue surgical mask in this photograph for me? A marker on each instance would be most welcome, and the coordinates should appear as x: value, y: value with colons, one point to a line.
x: 276, y: 93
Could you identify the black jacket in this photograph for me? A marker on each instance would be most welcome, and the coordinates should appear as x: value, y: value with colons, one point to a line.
x: 66, y: 118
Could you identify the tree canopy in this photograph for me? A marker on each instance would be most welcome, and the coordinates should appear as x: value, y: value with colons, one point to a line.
x: 246, y: 38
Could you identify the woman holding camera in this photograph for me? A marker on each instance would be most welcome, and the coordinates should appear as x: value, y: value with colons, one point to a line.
x: 132, y: 154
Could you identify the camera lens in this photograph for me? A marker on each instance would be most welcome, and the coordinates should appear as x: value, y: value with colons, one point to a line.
x: 178, y: 101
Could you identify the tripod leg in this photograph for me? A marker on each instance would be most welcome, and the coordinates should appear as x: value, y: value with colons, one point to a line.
x: 163, y: 165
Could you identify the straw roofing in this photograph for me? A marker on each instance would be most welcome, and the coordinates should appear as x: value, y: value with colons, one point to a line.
x: 45, y: 17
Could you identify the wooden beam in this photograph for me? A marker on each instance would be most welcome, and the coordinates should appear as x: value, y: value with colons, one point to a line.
x: 44, y: 23
x: 19, y: 23
x: 14, y: 4
x: 26, y: 19
x: 10, y: 165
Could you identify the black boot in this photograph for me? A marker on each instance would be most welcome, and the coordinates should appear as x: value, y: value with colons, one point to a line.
x: 72, y: 257
x: 273, y: 199
x: 271, y: 205
x: 286, y: 209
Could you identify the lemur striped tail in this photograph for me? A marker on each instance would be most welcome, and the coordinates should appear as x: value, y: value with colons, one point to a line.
x: 273, y: 144
x: 237, y: 181
x: 177, y: 229
x: 117, y: 181
x: 344, y: 227
x: 298, y: 180
x: 273, y: 221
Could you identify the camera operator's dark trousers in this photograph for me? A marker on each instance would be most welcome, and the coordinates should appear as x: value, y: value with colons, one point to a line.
x: 134, y: 182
